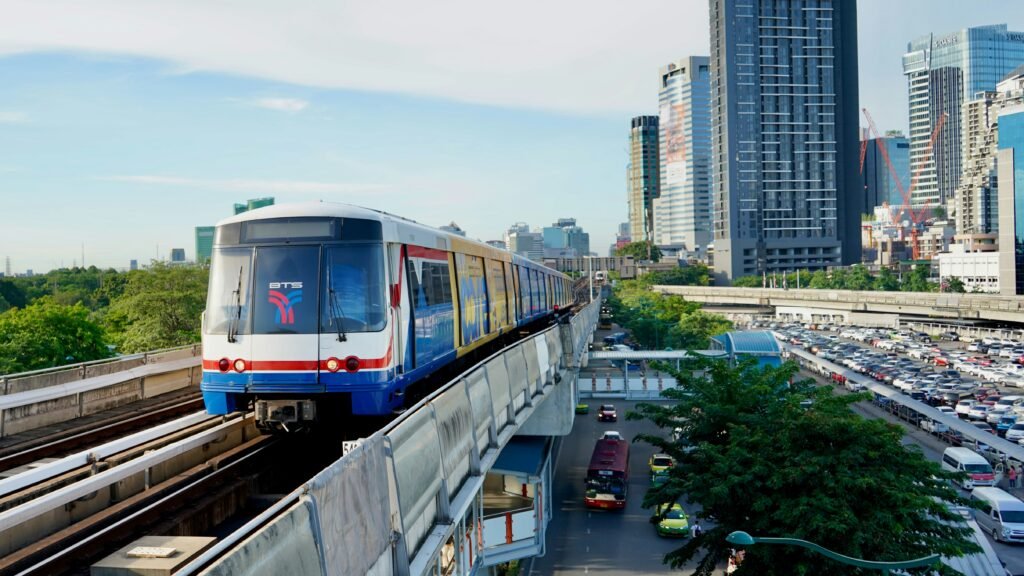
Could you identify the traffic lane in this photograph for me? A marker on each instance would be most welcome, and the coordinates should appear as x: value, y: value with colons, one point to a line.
x: 581, y: 540
x: 932, y: 448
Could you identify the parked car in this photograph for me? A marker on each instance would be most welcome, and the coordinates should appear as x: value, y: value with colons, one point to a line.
x: 1015, y: 433
x: 949, y: 336
x: 963, y: 407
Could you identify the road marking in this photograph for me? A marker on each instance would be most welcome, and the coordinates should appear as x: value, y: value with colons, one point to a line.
x: 588, y: 530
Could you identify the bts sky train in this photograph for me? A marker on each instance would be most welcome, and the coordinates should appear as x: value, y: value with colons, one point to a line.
x: 334, y: 309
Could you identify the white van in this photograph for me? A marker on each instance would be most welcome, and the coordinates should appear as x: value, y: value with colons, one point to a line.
x: 1001, y: 514
x: 979, y: 471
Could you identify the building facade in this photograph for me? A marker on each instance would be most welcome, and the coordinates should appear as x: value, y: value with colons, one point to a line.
x: 784, y: 137
x: 564, y: 239
x: 979, y: 271
x: 976, y: 199
x: 253, y: 204
x: 682, y: 211
x: 522, y: 241
x: 642, y: 175
x: 177, y: 255
x: 944, y: 71
x: 881, y: 185
x: 204, y: 243
x: 1010, y: 162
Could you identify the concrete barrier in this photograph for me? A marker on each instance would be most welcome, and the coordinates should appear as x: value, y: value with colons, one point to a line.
x: 285, y: 546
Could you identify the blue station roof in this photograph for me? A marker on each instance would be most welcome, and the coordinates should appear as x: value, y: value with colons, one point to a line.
x: 749, y: 343
x: 522, y: 455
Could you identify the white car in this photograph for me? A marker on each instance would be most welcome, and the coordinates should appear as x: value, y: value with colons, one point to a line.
x: 1016, y: 432
x: 963, y: 407
x: 933, y: 426
x: 947, y: 410
x: 612, y: 435
x: 978, y: 412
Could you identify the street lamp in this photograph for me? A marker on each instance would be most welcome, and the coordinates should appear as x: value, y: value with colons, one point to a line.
x: 741, y: 538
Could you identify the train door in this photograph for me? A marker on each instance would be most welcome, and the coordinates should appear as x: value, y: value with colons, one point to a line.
x: 285, y: 334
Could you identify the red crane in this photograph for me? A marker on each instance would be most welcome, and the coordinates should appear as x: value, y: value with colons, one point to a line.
x: 915, y: 217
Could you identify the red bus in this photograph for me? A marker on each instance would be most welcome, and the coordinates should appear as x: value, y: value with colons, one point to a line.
x: 608, y: 475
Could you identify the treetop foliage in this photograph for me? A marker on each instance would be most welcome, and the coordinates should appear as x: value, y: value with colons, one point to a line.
x: 755, y: 459
x: 856, y: 277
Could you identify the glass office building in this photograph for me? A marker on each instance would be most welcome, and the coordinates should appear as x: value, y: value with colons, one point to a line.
x: 642, y: 175
x: 784, y: 136
x: 204, y: 243
x: 882, y: 185
x: 682, y: 212
x: 1010, y: 160
x: 943, y: 72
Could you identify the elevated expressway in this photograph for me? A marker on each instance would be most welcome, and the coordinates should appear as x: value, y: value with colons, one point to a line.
x: 859, y: 306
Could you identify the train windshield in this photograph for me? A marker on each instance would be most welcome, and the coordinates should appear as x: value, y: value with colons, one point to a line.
x: 353, y: 289
x: 227, y: 305
x: 285, y: 290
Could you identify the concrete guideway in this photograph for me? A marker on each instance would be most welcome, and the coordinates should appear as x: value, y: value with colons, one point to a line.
x: 848, y: 304
x: 408, y: 498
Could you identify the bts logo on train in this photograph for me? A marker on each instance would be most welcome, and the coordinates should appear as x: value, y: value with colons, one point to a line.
x: 285, y: 312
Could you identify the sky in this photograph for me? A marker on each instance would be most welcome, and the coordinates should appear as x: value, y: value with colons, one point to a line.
x: 124, y: 123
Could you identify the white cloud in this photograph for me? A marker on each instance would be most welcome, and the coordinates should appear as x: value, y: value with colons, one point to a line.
x: 252, y: 186
x: 13, y: 117
x: 570, y: 55
x: 290, y: 105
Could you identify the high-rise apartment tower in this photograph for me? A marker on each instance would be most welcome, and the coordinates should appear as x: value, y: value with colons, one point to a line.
x: 784, y: 138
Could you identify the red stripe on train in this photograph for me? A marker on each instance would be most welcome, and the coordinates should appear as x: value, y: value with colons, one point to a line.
x: 432, y: 254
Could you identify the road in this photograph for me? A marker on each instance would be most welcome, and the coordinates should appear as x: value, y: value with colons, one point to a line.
x: 583, y: 541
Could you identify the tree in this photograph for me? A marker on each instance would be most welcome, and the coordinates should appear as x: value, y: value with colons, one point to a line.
x: 642, y: 250
x: 47, y: 334
x: 858, y: 278
x: 697, y: 328
x: 939, y: 212
x: 755, y: 459
x: 748, y: 282
x: 160, y: 307
x: 955, y: 284
x: 886, y: 281
x: 917, y: 279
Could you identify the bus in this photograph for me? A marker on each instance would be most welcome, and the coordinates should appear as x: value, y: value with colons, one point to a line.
x: 608, y: 475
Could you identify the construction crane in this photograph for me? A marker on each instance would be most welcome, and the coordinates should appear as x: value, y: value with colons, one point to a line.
x: 906, y: 193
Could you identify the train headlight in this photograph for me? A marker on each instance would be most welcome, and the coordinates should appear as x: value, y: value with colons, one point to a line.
x: 352, y: 364
x: 333, y: 364
x: 224, y: 364
x: 239, y: 365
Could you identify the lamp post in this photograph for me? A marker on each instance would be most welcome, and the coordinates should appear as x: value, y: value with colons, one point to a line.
x: 741, y: 538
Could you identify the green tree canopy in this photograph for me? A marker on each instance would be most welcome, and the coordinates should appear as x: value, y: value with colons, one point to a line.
x: 160, y: 307
x: 47, y: 334
x: 755, y: 460
x: 886, y: 281
x: 955, y: 284
x: 641, y: 250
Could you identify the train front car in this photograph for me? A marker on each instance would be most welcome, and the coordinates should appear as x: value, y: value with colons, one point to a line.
x: 298, y: 319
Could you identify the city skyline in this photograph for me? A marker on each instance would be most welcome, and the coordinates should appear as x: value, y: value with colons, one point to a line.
x: 129, y: 138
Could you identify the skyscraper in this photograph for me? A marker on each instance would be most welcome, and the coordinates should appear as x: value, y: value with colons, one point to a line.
x: 204, y: 243
x: 880, y: 186
x: 564, y: 239
x: 976, y: 199
x: 942, y: 73
x: 682, y: 211
x: 177, y: 255
x: 642, y: 175
x: 1010, y: 162
x: 785, y: 187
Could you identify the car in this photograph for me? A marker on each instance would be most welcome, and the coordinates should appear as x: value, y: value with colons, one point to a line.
x: 963, y: 407
x: 949, y: 336
x: 660, y: 463
x: 933, y: 426
x: 1015, y: 432
x: 673, y: 522
x: 612, y: 435
x: 607, y: 413
x: 983, y: 426
x: 978, y: 412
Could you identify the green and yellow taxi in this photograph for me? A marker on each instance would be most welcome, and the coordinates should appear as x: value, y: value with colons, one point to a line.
x: 675, y: 522
x: 660, y: 463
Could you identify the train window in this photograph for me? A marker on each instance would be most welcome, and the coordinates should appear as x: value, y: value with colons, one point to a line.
x: 353, y: 288
x: 227, y: 305
x: 285, y: 291
x: 429, y: 283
